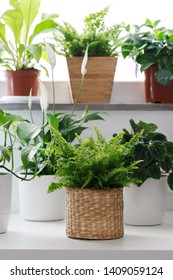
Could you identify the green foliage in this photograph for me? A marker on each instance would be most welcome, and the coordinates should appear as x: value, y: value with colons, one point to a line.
x: 153, y: 150
x: 7, y: 141
x: 151, y: 45
x: 94, y: 163
x: 26, y: 48
x: 33, y: 139
x: 102, y: 40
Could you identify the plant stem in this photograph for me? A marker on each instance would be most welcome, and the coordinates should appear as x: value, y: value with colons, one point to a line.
x: 53, y: 90
x: 13, y: 173
x: 78, y: 95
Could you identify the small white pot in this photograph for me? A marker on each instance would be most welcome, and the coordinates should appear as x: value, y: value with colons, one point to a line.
x: 5, y: 200
x: 36, y: 204
x: 146, y: 205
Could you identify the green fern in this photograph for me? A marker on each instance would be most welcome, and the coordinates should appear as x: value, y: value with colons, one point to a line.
x: 94, y: 163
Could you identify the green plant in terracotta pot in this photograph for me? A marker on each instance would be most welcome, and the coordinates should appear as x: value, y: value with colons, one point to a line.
x: 94, y: 173
x: 22, y: 43
x: 103, y: 44
x: 150, y: 45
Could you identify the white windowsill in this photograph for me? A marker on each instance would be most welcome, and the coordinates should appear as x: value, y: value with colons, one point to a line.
x: 26, y: 235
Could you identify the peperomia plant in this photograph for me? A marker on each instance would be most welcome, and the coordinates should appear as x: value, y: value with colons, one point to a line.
x: 150, y: 44
x: 21, y: 46
x: 94, y: 163
x: 153, y: 150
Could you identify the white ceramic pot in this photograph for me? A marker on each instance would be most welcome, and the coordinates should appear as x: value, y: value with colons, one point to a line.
x: 5, y: 200
x: 146, y: 205
x: 36, y: 204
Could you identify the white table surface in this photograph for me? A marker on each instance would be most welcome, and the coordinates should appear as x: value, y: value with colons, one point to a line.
x: 25, y: 235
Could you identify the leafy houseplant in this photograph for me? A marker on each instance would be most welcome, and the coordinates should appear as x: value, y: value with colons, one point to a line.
x: 97, y: 164
x: 34, y: 139
x: 8, y: 143
x: 102, y: 40
x: 6, y: 158
x: 151, y: 46
x: 94, y: 173
x: 146, y: 205
x: 31, y: 142
x: 21, y: 44
x: 103, y: 46
x: 153, y: 150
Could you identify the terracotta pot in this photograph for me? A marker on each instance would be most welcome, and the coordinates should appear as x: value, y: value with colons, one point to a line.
x: 98, y: 80
x: 155, y: 92
x: 20, y: 82
x: 94, y: 214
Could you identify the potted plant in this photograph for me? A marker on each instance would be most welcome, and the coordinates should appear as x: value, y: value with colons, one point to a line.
x: 31, y: 138
x: 21, y: 45
x: 94, y: 174
x: 35, y: 203
x: 151, y: 47
x: 146, y: 204
x: 6, y: 158
x: 103, y: 46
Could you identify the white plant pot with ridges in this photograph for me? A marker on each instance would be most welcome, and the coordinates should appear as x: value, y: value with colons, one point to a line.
x: 146, y: 205
x: 36, y: 204
x: 5, y: 200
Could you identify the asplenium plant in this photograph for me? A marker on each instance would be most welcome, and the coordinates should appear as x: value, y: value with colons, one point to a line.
x: 153, y: 150
x: 102, y: 40
x: 21, y: 35
x: 93, y: 163
x: 149, y: 45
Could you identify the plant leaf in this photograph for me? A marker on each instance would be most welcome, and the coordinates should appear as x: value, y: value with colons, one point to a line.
x: 154, y: 172
x: 29, y: 10
x: 170, y: 180
x: 27, y: 131
x: 14, y: 19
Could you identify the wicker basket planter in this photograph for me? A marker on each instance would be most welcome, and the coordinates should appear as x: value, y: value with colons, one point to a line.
x: 98, y: 81
x: 94, y: 214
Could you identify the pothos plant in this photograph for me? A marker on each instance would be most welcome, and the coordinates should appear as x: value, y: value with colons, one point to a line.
x: 150, y: 44
x: 21, y: 43
x: 153, y: 150
x: 7, y: 142
x: 94, y: 163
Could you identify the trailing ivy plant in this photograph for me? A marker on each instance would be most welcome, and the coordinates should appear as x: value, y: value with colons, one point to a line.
x: 94, y: 163
x: 153, y: 150
x: 150, y: 44
x: 102, y: 40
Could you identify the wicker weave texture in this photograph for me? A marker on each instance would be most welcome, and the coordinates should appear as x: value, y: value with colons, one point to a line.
x: 94, y: 214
